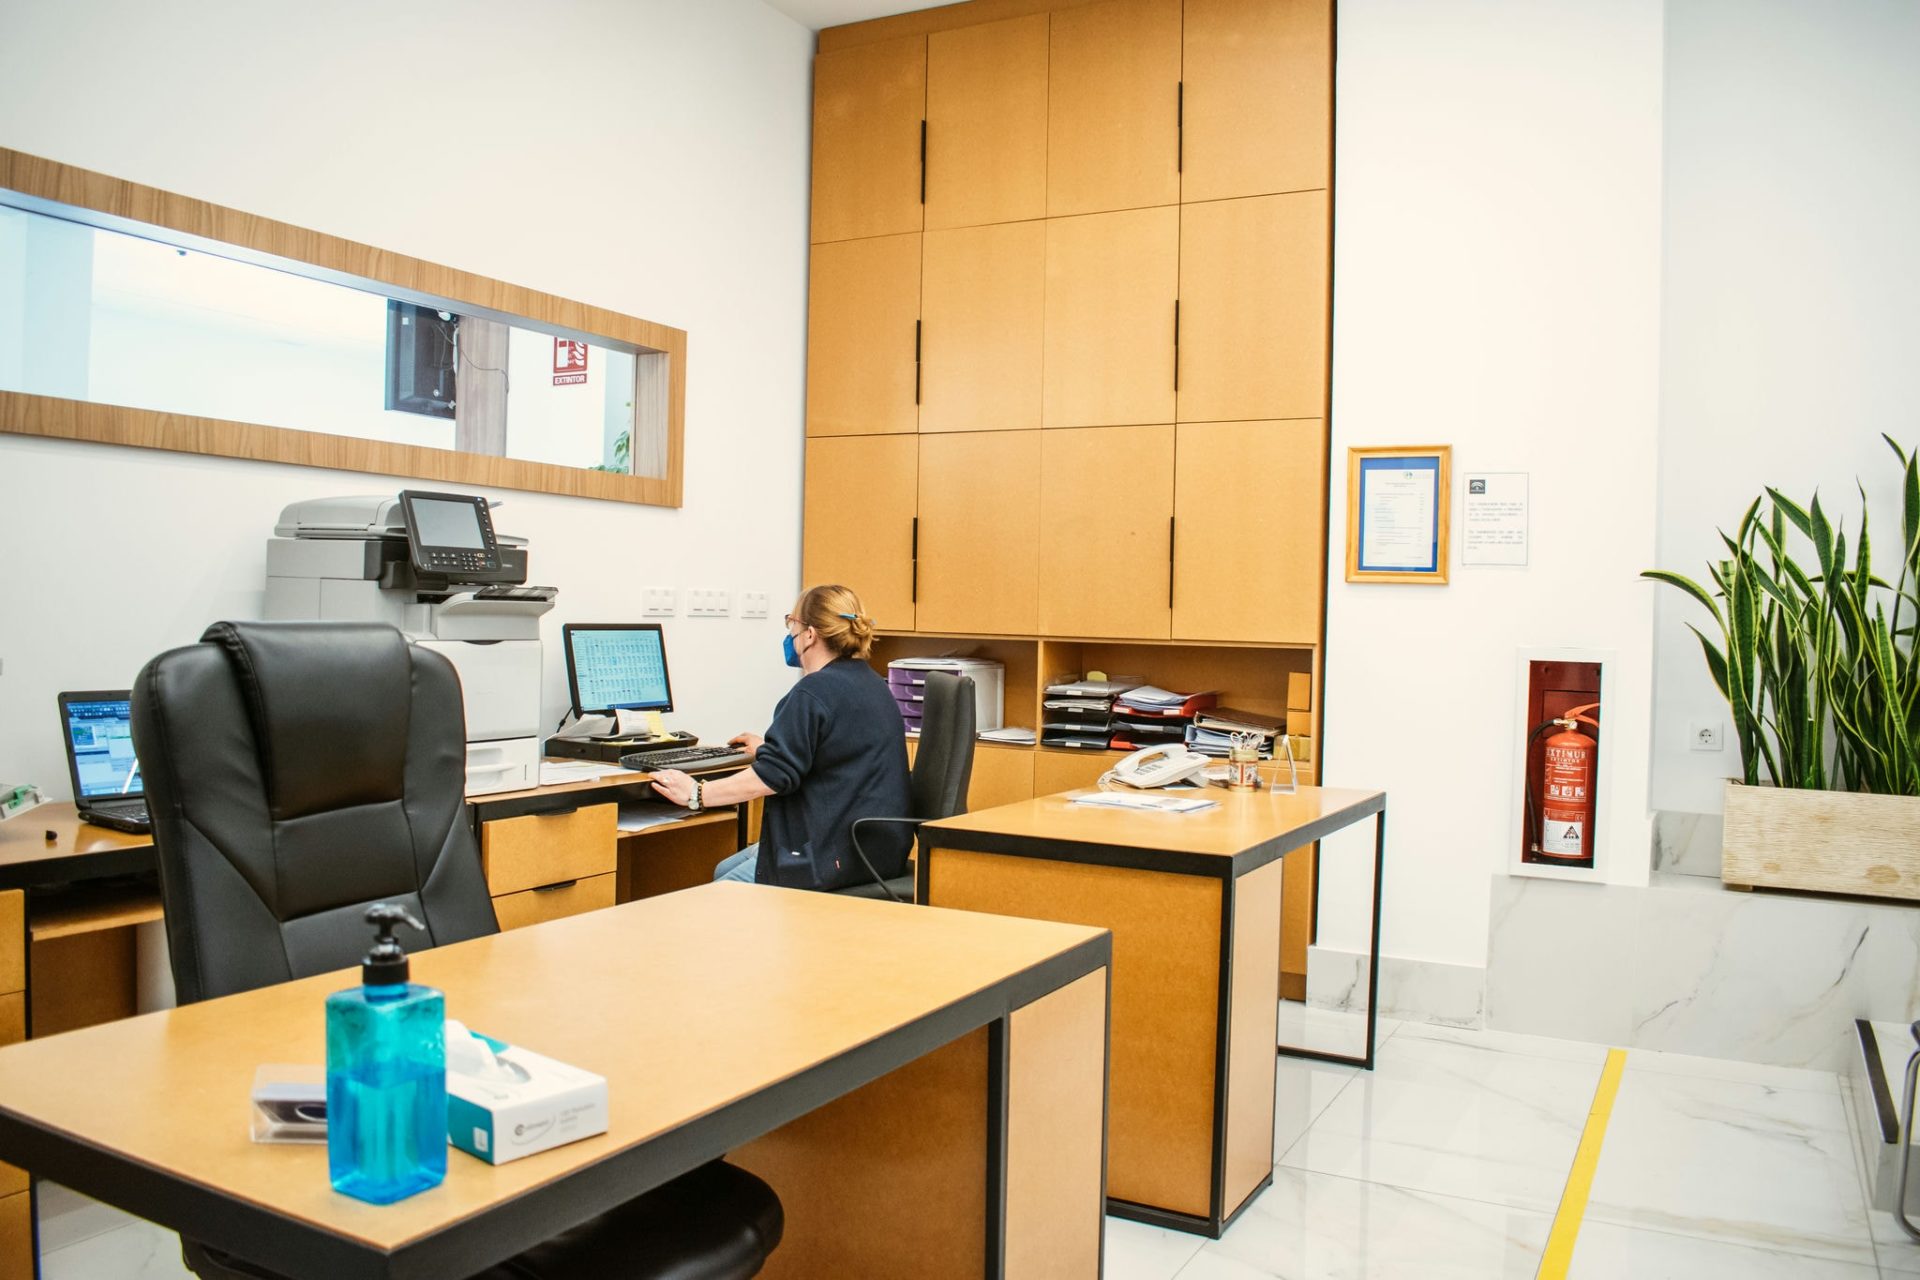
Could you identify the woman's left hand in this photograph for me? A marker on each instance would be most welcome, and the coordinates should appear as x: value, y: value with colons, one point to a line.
x: 674, y: 785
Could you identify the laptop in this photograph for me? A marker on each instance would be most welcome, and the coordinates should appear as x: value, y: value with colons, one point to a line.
x: 98, y: 728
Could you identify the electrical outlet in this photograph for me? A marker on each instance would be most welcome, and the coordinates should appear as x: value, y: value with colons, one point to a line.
x: 658, y: 602
x: 708, y: 602
x: 1704, y: 735
x: 753, y: 604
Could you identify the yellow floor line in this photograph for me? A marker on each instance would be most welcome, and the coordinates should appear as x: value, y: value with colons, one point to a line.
x: 1573, y: 1201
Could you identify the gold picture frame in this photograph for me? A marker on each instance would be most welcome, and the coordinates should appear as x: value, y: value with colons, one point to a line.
x: 1398, y: 510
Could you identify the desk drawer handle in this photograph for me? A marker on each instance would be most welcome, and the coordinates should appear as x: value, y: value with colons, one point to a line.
x: 559, y: 884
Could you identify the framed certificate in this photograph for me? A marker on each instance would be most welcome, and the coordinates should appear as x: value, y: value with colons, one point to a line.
x: 1397, y: 513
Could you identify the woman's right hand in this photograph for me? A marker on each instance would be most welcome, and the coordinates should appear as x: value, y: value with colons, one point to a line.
x: 747, y: 742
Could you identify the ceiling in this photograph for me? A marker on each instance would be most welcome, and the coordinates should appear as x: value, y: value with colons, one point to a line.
x: 831, y: 13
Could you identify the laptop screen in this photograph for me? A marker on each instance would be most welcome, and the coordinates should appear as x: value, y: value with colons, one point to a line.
x: 617, y: 666
x: 100, y: 739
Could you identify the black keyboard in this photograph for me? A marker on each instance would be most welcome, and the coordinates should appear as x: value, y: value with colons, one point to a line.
x: 685, y: 759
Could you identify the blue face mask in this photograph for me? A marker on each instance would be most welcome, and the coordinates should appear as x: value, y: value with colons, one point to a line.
x: 787, y: 650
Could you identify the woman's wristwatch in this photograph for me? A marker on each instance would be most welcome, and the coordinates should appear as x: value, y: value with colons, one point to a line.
x: 693, y: 801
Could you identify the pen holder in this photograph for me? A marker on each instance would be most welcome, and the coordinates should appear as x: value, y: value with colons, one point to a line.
x: 1243, y: 764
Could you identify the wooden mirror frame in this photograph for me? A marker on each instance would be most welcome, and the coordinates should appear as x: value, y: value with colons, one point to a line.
x: 112, y: 204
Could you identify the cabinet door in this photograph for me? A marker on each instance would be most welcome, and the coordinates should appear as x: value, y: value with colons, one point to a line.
x: 1106, y: 498
x: 979, y: 521
x: 857, y: 529
x: 1258, y: 107
x: 868, y: 105
x: 987, y: 123
x: 863, y: 303
x: 1249, y: 554
x: 985, y: 305
x: 1111, y: 283
x: 1113, y: 120
x: 1253, y: 308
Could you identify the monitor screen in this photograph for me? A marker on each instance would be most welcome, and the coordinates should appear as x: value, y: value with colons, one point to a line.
x: 438, y: 522
x: 101, y: 735
x: 612, y: 666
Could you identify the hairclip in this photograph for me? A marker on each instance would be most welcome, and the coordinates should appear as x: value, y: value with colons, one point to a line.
x: 851, y: 617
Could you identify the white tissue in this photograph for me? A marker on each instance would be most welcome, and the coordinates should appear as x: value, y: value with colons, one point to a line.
x: 469, y: 1055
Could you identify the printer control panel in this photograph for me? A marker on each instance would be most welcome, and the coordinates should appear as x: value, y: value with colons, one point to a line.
x: 450, y: 536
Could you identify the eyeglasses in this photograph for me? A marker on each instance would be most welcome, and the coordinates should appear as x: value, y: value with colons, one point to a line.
x: 790, y: 620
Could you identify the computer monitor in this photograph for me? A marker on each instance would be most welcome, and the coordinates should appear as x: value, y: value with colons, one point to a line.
x: 614, y: 666
x: 100, y: 757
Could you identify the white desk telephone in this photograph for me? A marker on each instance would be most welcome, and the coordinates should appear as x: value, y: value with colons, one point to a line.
x: 1159, y: 766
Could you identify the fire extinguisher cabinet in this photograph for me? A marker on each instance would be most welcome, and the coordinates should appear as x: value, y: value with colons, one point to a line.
x: 1559, y: 821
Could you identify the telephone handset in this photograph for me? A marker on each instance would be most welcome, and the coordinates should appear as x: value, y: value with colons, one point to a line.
x: 1159, y: 766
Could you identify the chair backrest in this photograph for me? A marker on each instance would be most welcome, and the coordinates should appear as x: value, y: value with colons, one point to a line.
x: 943, y: 763
x: 298, y: 772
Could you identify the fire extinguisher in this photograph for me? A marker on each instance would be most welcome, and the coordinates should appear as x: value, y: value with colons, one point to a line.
x: 1565, y: 830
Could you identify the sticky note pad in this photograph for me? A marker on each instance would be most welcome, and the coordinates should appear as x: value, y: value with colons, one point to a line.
x: 656, y: 727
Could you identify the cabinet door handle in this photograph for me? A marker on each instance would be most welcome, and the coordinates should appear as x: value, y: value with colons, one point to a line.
x: 1170, y: 520
x: 1176, y: 344
x: 913, y: 593
x: 916, y: 361
x: 1179, y: 132
x: 556, y: 885
x: 923, y: 162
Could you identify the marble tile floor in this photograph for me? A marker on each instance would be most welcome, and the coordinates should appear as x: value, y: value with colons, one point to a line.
x: 1447, y: 1161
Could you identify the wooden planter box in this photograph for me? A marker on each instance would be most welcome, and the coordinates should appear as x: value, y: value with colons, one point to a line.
x: 1823, y: 841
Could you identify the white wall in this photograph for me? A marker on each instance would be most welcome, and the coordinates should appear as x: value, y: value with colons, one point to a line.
x: 649, y: 156
x: 1496, y: 288
x: 1791, y: 338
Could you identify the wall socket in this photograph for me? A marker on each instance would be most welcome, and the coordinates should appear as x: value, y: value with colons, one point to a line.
x: 658, y: 602
x: 707, y: 602
x: 1705, y: 735
x: 753, y: 604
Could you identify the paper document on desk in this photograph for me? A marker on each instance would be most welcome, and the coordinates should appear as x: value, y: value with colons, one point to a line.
x: 640, y: 816
x: 555, y: 772
x: 1145, y: 800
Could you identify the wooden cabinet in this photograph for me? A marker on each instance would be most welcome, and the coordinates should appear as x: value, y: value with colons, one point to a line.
x: 1106, y: 505
x: 1258, y: 102
x: 984, y: 308
x: 1111, y: 283
x: 1001, y: 774
x: 1250, y: 535
x: 863, y: 312
x: 869, y: 103
x: 1253, y: 308
x: 861, y: 499
x: 1113, y: 128
x: 16, y: 1218
x: 544, y: 866
x: 1055, y: 771
x: 979, y: 523
x: 987, y: 123
x: 552, y: 902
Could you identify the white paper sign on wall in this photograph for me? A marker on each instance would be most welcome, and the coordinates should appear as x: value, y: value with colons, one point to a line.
x: 1494, y: 531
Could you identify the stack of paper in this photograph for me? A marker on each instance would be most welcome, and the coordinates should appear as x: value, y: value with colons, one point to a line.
x: 1150, y: 716
x: 1159, y: 801
x: 1079, y: 713
x: 1011, y: 733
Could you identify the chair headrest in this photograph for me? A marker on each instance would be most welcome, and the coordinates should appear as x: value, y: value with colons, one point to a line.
x: 329, y: 703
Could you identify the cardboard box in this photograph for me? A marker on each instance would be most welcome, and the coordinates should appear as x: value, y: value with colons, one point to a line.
x: 534, y: 1104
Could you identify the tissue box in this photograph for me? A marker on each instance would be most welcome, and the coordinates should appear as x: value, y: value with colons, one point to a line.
x: 544, y: 1104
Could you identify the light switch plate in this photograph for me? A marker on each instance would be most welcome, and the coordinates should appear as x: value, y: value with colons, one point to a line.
x: 708, y: 602
x: 658, y: 602
x: 753, y: 604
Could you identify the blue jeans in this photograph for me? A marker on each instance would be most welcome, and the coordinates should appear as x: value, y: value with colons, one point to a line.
x: 740, y: 866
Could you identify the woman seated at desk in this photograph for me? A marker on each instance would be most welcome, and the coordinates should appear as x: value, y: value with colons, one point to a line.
x: 836, y: 751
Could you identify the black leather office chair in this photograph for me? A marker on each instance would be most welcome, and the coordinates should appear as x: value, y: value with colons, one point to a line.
x: 942, y: 768
x: 298, y: 772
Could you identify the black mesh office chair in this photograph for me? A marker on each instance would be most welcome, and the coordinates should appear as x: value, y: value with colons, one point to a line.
x: 297, y: 773
x: 942, y: 768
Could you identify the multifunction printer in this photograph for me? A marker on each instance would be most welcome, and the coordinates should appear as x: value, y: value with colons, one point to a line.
x: 431, y: 565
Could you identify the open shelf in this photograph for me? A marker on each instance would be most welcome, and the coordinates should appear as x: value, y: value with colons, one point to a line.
x: 115, y: 907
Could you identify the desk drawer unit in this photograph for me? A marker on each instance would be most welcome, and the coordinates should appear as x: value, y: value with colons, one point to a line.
x: 16, y: 1206
x: 551, y: 902
x: 549, y: 849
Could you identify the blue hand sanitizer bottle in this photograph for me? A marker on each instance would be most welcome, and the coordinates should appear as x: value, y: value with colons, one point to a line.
x: 386, y: 1075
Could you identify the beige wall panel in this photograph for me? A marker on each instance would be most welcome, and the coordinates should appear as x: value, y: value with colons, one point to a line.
x: 1255, y: 1030
x: 1056, y: 1123
x: 1250, y: 547
x: 861, y: 496
x: 863, y: 301
x: 889, y: 1180
x: 1259, y: 97
x: 1106, y: 494
x: 1253, y: 308
x: 984, y: 311
x: 1111, y: 283
x: 979, y: 526
x: 987, y: 123
x: 1166, y: 976
x: 868, y: 103
x: 1113, y: 116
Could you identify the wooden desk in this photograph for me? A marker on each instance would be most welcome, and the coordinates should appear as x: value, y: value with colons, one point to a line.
x: 923, y: 1089
x: 1194, y: 902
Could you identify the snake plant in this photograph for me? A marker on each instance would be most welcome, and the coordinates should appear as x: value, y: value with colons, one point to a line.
x: 1817, y: 660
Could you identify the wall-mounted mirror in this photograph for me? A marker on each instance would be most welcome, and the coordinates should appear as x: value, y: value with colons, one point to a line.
x: 133, y: 316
